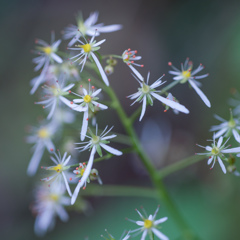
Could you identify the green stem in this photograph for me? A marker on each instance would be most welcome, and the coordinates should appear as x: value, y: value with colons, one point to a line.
x: 164, y: 90
x: 163, y: 195
x: 119, y: 191
x: 180, y: 165
x: 105, y: 157
x: 157, y: 181
x: 111, y: 55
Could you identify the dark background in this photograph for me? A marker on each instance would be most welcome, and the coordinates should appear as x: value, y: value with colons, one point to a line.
x: 207, y: 32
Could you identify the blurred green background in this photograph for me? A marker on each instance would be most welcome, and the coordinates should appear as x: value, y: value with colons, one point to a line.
x: 207, y: 32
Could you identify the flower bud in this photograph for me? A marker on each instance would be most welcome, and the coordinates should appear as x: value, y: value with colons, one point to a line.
x: 231, y: 168
x: 109, y: 69
x: 112, y: 62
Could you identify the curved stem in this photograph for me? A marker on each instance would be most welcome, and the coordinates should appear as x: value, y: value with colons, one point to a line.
x: 163, y: 195
x: 156, y: 179
x: 119, y: 191
x: 105, y: 157
x: 180, y: 165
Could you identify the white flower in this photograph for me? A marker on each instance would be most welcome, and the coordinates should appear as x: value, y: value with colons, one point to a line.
x: 148, y: 225
x: 53, y: 93
x: 87, y: 50
x: 41, y: 137
x: 60, y: 167
x: 147, y: 92
x: 227, y: 128
x: 129, y: 57
x: 216, y: 152
x: 88, y: 101
x: 113, y: 238
x: 48, y: 204
x: 48, y: 55
x: 87, y: 27
x: 187, y: 74
x: 95, y: 144
x: 92, y: 176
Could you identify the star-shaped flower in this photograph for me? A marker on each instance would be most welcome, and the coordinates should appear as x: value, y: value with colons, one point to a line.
x: 60, y: 167
x: 186, y: 74
x: 146, y: 93
x: 95, y: 143
x: 149, y: 225
x: 87, y: 50
x: 48, y: 55
x: 53, y: 93
x: 227, y: 128
x: 87, y: 27
x: 42, y: 138
x: 129, y: 57
x: 87, y: 101
x: 216, y: 152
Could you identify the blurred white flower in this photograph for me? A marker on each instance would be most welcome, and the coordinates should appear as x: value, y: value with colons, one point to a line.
x: 60, y: 167
x: 42, y: 138
x: 87, y: 50
x: 48, y: 55
x: 147, y: 92
x: 87, y: 102
x: 216, y: 152
x: 187, y: 74
x: 53, y: 93
x: 129, y: 57
x: 149, y: 226
x: 227, y: 128
x: 95, y: 144
x: 48, y: 204
x: 87, y: 27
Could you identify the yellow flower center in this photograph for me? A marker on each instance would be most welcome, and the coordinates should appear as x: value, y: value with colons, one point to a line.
x: 148, y: 223
x: 57, y: 168
x: 186, y: 74
x: 43, y: 133
x: 87, y: 99
x: 87, y: 47
x: 54, y: 197
x: 82, y: 171
x: 47, y: 50
x: 95, y: 139
x: 215, y: 151
x: 231, y: 123
x: 145, y: 88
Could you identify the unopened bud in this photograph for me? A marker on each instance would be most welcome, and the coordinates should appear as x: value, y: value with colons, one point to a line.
x: 112, y: 62
x: 231, y: 168
x: 109, y: 69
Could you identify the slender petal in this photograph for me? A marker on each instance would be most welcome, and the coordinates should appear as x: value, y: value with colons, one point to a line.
x: 110, y: 149
x: 200, y: 93
x: 103, y: 74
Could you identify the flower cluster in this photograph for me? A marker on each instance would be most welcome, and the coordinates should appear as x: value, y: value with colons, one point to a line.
x: 71, y: 96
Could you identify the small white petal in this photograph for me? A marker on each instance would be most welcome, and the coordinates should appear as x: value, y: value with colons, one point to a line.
x: 159, y: 234
x: 222, y: 165
x: 236, y: 135
x: 210, y: 160
x: 170, y: 103
x: 161, y: 220
x: 103, y: 74
x: 144, y: 104
x: 56, y: 58
x: 110, y: 149
x: 220, y: 140
x: 200, y: 93
x: 84, y: 125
